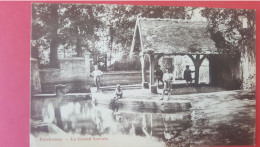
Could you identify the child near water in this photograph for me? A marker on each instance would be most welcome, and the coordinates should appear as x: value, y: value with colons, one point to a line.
x: 118, y: 92
x: 118, y: 95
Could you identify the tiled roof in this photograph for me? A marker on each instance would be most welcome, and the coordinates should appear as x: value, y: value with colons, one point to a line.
x: 171, y: 36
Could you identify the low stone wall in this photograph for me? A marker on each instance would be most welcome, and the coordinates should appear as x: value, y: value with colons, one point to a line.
x: 123, y: 78
x: 72, y: 86
x: 69, y: 68
x: 83, y: 84
x: 74, y: 73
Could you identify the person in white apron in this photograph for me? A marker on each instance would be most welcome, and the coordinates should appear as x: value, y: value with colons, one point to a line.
x: 167, y: 79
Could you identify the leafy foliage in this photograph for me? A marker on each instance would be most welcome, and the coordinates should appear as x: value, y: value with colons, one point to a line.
x: 89, y: 28
x: 78, y: 25
x: 231, y: 29
x: 99, y: 29
x: 126, y: 65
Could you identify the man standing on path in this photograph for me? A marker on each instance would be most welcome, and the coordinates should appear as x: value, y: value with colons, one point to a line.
x: 167, y: 79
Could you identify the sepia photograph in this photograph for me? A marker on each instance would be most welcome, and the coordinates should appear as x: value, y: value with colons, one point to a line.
x: 141, y: 76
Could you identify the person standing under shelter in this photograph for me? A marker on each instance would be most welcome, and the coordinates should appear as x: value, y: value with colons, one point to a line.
x: 187, y: 74
x: 97, y: 74
x: 167, y: 78
x: 159, y: 75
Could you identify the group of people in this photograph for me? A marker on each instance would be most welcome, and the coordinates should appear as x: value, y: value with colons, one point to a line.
x: 167, y: 79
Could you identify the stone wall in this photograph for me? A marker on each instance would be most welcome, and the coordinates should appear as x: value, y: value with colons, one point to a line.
x: 83, y: 84
x: 75, y: 74
x: 123, y: 78
x: 35, y: 77
x: 70, y: 68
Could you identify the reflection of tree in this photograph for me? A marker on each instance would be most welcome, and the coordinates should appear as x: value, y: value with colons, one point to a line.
x: 180, y: 138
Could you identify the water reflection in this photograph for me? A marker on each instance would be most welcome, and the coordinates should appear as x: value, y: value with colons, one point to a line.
x: 84, y: 117
x: 233, y: 124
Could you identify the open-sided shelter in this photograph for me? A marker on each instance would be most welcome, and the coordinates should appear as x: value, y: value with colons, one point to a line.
x: 155, y: 38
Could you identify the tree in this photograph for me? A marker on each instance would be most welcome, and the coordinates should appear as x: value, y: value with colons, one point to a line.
x: 121, y: 20
x: 54, y: 40
x: 45, y: 26
x: 93, y: 28
x: 233, y: 31
x: 231, y: 28
x: 79, y: 25
x: 63, y: 25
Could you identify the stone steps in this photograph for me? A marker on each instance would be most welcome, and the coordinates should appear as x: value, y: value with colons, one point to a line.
x: 142, y: 105
x: 124, y: 87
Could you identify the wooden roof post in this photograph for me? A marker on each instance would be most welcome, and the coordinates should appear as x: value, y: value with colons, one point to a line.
x: 143, y: 68
x: 152, y: 62
x: 197, y: 62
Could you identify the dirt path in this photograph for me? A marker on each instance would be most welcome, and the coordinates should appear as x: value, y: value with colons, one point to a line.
x: 222, y: 118
x: 218, y: 118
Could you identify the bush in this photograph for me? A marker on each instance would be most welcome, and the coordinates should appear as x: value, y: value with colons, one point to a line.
x: 126, y: 65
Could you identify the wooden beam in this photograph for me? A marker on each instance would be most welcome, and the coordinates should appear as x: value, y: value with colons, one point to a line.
x: 158, y: 57
x: 183, y: 54
x: 151, y: 60
x: 204, y: 56
x: 192, y: 58
x: 142, y: 59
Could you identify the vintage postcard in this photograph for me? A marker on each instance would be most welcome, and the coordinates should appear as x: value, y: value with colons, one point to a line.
x: 144, y: 76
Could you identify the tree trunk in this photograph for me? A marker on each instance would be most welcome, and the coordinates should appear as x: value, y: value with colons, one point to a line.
x: 111, y: 33
x: 78, y: 48
x: 54, y: 63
